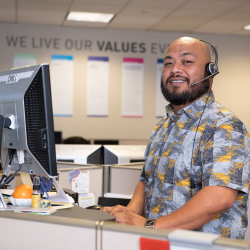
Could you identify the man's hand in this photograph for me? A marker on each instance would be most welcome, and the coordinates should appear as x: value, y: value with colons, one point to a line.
x: 136, y: 205
x: 124, y: 215
x: 116, y: 209
x: 130, y: 218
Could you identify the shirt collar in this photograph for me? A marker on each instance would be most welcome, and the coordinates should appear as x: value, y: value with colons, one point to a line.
x: 194, y: 109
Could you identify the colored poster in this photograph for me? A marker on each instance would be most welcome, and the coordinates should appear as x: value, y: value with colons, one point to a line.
x: 161, y: 102
x: 62, y: 75
x: 21, y: 60
x: 97, y: 86
x: 132, y: 87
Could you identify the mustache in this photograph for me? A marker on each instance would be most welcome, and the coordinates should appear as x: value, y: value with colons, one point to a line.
x: 177, y: 76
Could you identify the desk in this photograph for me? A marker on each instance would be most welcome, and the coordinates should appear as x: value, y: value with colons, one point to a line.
x: 66, y: 230
x: 83, y: 214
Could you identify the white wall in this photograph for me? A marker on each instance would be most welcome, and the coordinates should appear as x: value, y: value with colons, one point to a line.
x: 231, y: 86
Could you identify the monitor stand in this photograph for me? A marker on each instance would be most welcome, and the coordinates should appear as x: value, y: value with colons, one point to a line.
x: 4, y: 123
x: 2, y: 202
x: 60, y: 197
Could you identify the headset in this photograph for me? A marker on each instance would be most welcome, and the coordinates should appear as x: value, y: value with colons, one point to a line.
x: 212, y: 69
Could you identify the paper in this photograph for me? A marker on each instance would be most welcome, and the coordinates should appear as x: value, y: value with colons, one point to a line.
x: 86, y: 200
x: 7, y: 191
x: 30, y: 210
x: 62, y: 72
x: 161, y: 102
x: 132, y: 87
x: 21, y: 60
x: 25, y: 177
x: 70, y: 199
x: 80, y: 181
x: 97, y: 86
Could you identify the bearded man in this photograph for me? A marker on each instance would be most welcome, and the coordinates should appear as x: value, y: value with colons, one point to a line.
x: 196, y: 173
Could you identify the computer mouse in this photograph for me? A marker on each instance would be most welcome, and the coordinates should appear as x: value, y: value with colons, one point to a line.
x: 94, y: 207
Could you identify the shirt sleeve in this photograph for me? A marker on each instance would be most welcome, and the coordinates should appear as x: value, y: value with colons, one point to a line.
x: 143, y: 176
x: 147, y: 167
x: 226, y: 157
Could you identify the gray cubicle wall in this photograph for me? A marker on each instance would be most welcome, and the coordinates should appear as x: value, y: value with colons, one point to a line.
x: 124, y: 178
x: 61, y: 231
x: 95, y: 176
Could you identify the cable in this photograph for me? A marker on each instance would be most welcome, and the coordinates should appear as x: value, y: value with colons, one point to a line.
x: 11, y: 177
x: 11, y: 153
x: 2, y: 178
x: 6, y: 172
x: 192, y: 181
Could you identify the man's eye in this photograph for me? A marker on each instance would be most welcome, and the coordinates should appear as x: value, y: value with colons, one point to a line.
x: 188, y: 62
x: 167, y: 64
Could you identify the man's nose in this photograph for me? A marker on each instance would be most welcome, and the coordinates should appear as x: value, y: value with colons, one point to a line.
x: 177, y: 68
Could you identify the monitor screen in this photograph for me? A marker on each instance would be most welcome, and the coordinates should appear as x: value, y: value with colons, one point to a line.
x: 25, y: 96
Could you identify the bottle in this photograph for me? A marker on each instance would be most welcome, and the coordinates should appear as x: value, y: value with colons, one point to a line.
x: 36, y: 195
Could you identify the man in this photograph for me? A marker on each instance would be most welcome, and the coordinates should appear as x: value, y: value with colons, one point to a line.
x: 196, y: 173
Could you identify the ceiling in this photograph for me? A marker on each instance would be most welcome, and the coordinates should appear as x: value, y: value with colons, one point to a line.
x: 205, y: 16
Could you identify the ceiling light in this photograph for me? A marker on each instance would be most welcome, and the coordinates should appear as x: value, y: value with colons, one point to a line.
x: 89, y: 17
x: 247, y: 27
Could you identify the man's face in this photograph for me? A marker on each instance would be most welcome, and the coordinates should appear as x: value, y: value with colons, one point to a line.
x: 184, y: 64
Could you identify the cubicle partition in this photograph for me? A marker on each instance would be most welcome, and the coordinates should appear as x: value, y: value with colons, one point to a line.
x: 97, y: 235
x: 95, y: 176
x: 121, y: 178
x: 61, y: 231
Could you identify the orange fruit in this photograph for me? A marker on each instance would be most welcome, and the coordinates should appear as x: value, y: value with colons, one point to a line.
x: 23, y: 192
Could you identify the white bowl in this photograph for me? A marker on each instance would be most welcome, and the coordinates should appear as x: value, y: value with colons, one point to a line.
x: 20, y: 202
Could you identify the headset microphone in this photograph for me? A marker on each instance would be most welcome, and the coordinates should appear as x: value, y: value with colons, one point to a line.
x: 206, y: 78
x: 212, y: 69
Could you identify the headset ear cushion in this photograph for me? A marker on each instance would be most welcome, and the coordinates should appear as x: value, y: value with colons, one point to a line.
x: 211, y: 68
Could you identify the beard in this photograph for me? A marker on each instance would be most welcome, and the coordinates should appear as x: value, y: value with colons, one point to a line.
x: 187, y: 96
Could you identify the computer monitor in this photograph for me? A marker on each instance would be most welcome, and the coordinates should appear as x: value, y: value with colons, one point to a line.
x: 25, y: 102
x: 123, y: 154
x: 79, y: 154
x: 25, y: 96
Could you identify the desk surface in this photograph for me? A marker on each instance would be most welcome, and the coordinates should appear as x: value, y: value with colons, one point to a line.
x: 74, y: 216
x: 85, y: 214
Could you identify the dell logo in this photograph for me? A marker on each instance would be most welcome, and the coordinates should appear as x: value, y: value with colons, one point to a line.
x: 12, y: 78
